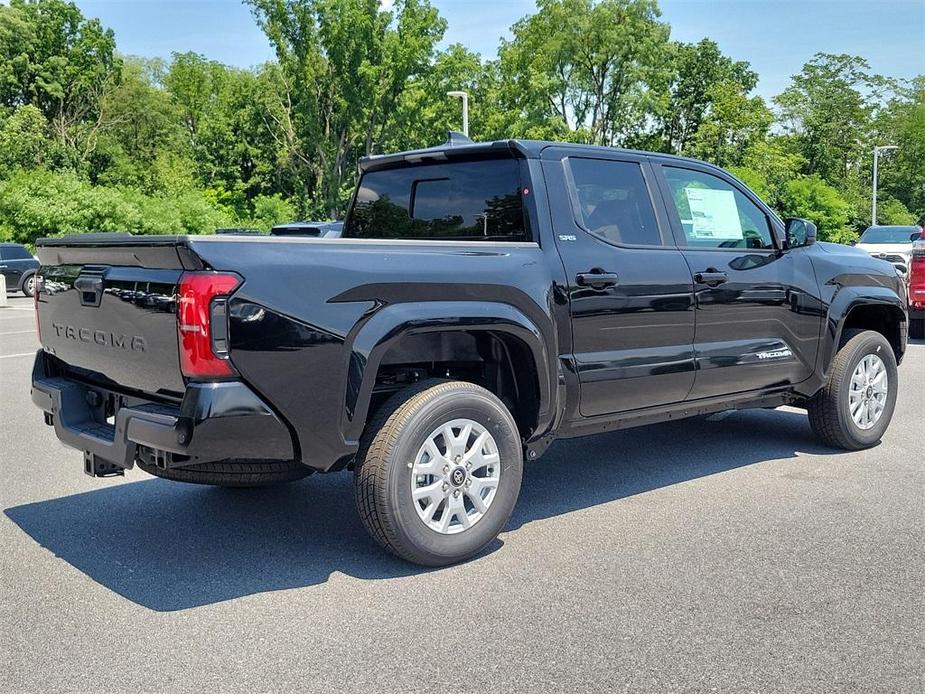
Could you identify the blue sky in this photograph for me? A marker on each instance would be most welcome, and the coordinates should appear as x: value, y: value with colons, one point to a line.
x: 775, y: 36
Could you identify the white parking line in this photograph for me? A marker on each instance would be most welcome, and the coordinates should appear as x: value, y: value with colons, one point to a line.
x: 11, y: 356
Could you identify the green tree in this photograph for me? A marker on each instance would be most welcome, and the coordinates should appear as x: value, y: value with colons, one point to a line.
x: 24, y: 141
x: 892, y: 211
x: 828, y: 109
x: 812, y: 198
x: 224, y: 116
x: 697, y: 72
x: 144, y: 125
x: 56, y: 60
x: 594, y: 69
x: 767, y: 166
x: 342, y: 67
x: 43, y: 203
x: 270, y: 210
x: 902, y: 123
x: 424, y: 114
x: 734, y: 124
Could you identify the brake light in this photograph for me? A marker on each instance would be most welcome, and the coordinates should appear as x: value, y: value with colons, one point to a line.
x: 202, y: 323
x: 917, y: 276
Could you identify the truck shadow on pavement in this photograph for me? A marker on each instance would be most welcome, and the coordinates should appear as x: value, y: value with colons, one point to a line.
x: 168, y: 546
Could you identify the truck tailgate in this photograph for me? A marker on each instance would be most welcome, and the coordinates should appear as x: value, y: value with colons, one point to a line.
x: 117, y: 320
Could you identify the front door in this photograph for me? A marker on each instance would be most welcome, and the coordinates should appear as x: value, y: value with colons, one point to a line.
x: 630, y: 291
x: 757, y: 318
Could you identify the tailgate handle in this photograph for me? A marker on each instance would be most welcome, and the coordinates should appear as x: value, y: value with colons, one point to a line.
x: 91, y: 290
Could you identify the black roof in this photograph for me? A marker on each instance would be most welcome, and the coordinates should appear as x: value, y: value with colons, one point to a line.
x: 527, y: 149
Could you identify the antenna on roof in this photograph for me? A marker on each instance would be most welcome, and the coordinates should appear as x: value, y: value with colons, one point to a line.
x: 455, y: 139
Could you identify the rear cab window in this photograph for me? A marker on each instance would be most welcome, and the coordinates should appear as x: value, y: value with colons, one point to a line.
x: 478, y: 200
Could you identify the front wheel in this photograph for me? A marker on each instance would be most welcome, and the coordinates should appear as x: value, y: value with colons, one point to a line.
x: 855, y: 406
x: 27, y: 286
x: 438, y: 472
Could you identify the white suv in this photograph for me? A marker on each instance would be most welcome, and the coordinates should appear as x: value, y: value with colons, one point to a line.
x: 891, y: 243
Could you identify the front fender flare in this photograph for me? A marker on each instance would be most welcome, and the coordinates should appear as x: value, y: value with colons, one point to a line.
x: 367, y: 346
x: 845, y: 301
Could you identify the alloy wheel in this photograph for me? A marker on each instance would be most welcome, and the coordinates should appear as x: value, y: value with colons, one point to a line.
x: 455, y: 476
x: 868, y: 391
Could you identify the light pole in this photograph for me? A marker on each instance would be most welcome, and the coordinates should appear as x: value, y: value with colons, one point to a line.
x: 873, y: 197
x: 465, y: 106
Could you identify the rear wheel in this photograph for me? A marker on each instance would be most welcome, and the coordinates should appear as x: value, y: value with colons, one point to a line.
x: 439, y: 472
x: 232, y: 473
x: 854, y: 407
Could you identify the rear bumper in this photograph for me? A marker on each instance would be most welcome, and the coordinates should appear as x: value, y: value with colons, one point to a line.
x: 215, y: 421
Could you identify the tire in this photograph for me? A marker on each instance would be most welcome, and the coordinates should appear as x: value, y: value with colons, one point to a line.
x: 26, y: 284
x: 917, y: 328
x: 392, y: 458
x: 232, y: 473
x: 829, y: 410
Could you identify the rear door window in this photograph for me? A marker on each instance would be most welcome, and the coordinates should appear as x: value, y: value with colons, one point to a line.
x: 463, y: 201
x: 613, y: 201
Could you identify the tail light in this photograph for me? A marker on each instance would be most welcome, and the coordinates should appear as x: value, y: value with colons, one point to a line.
x: 917, y: 275
x: 202, y: 323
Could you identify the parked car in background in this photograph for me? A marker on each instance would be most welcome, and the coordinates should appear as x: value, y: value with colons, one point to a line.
x: 892, y: 243
x: 18, y: 266
x: 327, y: 230
x: 917, y: 289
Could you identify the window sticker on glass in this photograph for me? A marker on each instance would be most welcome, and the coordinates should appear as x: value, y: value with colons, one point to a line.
x: 714, y: 214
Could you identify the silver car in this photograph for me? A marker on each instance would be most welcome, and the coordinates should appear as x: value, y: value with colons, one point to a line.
x: 892, y: 243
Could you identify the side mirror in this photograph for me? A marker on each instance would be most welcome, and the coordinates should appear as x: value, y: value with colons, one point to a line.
x: 800, y: 232
x: 853, y: 242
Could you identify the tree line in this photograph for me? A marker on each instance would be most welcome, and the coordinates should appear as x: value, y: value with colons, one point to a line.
x: 93, y: 140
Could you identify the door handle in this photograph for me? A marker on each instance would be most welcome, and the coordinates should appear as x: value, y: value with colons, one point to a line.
x: 710, y: 277
x: 597, y: 279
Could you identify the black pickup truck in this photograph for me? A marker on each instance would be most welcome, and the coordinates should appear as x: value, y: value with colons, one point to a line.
x: 485, y: 299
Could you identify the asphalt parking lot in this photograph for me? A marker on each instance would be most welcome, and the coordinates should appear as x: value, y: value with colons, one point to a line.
x: 728, y: 553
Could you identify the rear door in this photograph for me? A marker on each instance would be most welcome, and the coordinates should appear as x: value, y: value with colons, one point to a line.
x: 630, y: 292
x: 757, y: 323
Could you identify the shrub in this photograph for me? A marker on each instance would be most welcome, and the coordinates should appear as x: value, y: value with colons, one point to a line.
x: 43, y: 203
x: 812, y: 198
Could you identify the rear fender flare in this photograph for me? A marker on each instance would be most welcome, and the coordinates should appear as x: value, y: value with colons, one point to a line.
x: 373, y: 338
